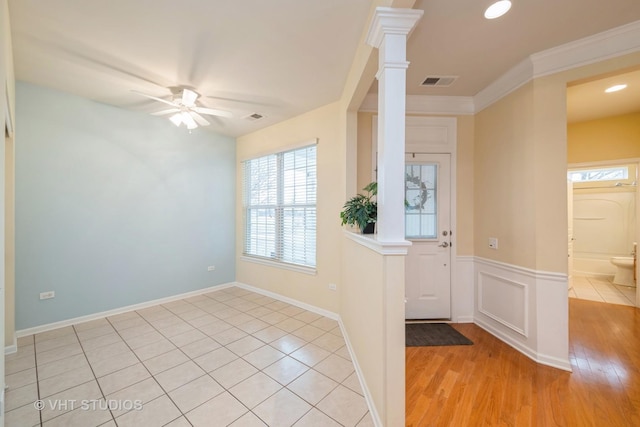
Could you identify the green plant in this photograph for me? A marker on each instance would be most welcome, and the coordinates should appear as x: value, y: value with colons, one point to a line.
x: 361, y: 209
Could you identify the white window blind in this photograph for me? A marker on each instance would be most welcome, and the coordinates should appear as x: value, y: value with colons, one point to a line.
x: 280, y: 206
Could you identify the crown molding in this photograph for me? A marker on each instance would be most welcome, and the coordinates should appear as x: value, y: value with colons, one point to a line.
x: 599, y: 47
x: 608, y: 44
x: 504, y: 85
x: 426, y: 104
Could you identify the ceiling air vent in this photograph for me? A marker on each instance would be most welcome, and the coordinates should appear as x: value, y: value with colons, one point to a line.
x: 254, y: 116
x: 439, y: 81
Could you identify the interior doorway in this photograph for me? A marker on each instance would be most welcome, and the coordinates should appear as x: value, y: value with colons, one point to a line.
x: 603, y: 154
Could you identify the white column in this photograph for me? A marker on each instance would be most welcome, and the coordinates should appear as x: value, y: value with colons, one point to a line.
x: 388, y: 33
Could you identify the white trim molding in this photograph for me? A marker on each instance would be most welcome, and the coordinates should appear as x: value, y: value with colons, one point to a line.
x: 525, y: 308
x: 375, y: 416
x: 462, y: 289
x: 326, y: 313
x: 103, y: 314
x: 389, y: 20
x: 291, y: 301
x: 513, y: 316
x: 510, y: 81
x: 13, y: 348
x: 427, y: 104
x: 383, y: 248
x: 608, y: 44
x: 331, y: 315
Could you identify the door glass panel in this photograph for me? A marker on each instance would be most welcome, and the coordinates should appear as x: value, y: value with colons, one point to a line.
x: 421, y: 214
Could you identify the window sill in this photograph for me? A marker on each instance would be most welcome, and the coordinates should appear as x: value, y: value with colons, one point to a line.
x: 277, y: 264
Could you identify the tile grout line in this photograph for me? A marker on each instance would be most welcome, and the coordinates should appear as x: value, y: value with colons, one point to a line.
x: 35, y: 359
x: 243, y: 311
x: 84, y: 353
x: 146, y: 368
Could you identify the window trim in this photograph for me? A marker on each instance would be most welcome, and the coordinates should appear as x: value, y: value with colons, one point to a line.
x: 269, y: 261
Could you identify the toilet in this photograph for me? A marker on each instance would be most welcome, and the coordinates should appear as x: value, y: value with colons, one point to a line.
x: 624, y: 270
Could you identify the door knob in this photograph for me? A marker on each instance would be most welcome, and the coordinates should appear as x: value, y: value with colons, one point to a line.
x: 444, y: 245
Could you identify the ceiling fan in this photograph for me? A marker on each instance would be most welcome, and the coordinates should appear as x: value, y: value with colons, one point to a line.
x: 185, y: 110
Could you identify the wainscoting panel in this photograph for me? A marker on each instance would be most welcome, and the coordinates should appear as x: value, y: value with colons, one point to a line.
x: 525, y: 308
x: 494, y: 291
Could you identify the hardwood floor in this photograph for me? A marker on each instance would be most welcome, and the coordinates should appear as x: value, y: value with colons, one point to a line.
x: 491, y: 384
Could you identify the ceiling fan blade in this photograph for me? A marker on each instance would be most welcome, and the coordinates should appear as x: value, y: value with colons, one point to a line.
x: 163, y: 112
x: 155, y: 98
x: 189, y: 97
x: 199, y: 119
x: 212, y: 112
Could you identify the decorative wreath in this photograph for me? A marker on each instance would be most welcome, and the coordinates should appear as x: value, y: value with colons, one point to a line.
x: 418, y: 201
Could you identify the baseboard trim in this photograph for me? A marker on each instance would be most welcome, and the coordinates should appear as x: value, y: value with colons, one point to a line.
x: 113, y: 312
x: 331, y: 315
x: 13, y: 348
x: 538, y: 358
x: 323, y: 312
x: 375, y: 417
x: 304, y: 305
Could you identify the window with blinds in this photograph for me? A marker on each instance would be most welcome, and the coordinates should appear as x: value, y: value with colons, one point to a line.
x: 280, y: 206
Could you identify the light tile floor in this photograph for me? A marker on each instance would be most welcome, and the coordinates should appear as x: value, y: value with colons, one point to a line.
x: 602, y: 289
x: 226, y: 358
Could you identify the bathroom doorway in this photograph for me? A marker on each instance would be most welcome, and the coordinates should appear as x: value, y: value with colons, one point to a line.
x: 604, y: 209
x: 603, y: 153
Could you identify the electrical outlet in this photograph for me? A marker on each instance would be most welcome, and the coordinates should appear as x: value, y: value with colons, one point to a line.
x: 47, y: 295
x: 493, y: 243
x: 211, y: 268
x: 332, y: 286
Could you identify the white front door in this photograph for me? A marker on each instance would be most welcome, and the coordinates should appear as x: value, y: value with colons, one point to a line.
x: 428, y: 227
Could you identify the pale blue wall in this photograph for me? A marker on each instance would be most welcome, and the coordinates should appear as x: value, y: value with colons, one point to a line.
x: 115, y: 207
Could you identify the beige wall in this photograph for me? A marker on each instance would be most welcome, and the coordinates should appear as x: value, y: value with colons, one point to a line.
x: 325, y: 124
x: 503, y: 179
x: 610, y: 138
x: 365, y: 142
x: 465, y: 207
x: 520, y: 170
x: 372, y: 311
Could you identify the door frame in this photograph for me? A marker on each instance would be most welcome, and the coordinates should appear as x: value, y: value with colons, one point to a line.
x: 603, y: 163
x: 422, y: 134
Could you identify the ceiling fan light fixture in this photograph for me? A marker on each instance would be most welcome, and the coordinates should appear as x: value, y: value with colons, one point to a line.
x: 188, y: 120
x: 176, y: 119
x: 616, y: 88
x: 497, y: 9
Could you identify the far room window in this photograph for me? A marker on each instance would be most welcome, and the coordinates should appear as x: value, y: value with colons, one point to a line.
x: 601, y: 177
x: 280, y: 206
x: 601, y: 174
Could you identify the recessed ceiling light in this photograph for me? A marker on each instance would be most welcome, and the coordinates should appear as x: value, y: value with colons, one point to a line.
x: 615, y: 88
x: 497, y: 9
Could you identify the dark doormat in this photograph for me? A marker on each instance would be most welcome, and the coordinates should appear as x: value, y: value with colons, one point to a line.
x: 432, y: 334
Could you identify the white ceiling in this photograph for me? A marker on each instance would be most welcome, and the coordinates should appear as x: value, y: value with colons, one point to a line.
x: 279, y: 58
